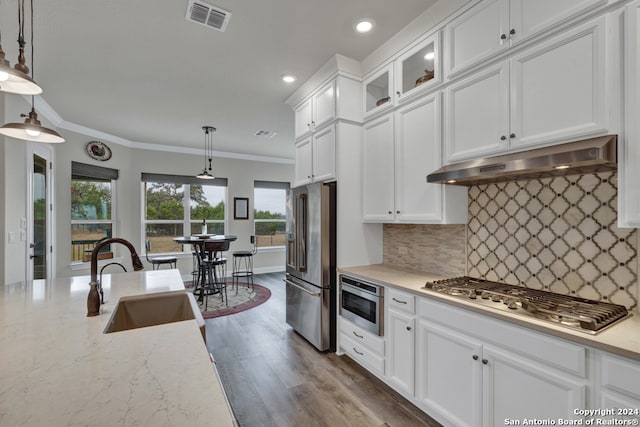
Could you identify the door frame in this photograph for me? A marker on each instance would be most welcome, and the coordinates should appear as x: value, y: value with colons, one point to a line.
x: 46, y: 152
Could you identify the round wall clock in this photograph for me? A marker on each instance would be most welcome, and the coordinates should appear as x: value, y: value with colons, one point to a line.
x: 98, y: 150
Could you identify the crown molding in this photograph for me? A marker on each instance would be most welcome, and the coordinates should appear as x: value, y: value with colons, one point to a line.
x: 45, y: 110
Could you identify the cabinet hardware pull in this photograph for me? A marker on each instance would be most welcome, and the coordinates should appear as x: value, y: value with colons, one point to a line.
x: 399, y: 301
x: 408, y: 328
x: 485, y: 361
x: 397, y: 211
x: 398, y: 92
x: 513, y: 31
x: 390, y: 212
x: 475, y: 357
x: 503, y: 36
x: 359, y: 336
x: 503, y: 138
x: 361, y: 354
x: 513, y: 135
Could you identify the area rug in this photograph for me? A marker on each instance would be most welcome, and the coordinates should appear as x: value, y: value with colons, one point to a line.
x: 245, y: 299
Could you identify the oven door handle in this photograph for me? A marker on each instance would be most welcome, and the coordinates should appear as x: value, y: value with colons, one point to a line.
x: 313, y: 294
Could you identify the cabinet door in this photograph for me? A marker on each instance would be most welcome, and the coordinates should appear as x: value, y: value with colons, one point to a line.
x: 559, y: 88
x: 516, y: 388
x: 324, y: 154
x: 324, y: 105
x: 377, y: 91
x: 302, y: 118
x: 418, y: 68
x: 477, y: 34
x: 477, y: 115
x: 417, y: 141
x: 529, y: 17
x: 303, y: 165
x: 401, y: 344
x: 628, y: 148
x: 449, y: 374
x: 377, y: 168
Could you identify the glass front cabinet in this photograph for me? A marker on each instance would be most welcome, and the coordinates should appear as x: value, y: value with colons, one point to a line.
x: 418, y: 68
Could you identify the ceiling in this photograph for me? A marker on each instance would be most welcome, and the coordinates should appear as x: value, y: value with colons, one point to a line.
x: 138, y: 70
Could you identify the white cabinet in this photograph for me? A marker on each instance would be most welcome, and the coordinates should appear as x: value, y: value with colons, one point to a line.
x: 495, y: 25
x: 400, y: 333
x: 472, y: 370
x: 548, y: 94
x: 414, y: 71
x: 628, y: 147
x: 400, y: 150
x: 618, y: 385
x: 449, y: 378
x: 316, y: 111
x: 315, y: 157
x: 362, y: 346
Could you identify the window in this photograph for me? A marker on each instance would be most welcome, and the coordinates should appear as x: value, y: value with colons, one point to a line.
x: 92, y: 209
x: 178, y: 205
x: 270, y: 209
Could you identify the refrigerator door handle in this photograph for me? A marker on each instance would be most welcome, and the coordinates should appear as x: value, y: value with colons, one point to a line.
x: 313, y: 294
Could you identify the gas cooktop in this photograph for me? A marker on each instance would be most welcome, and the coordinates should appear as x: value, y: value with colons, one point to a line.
x: 572, y: 312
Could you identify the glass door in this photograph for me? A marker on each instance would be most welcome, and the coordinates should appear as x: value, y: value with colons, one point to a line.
x: 39, y: 214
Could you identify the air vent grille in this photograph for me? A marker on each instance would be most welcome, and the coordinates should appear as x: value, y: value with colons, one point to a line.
x: 266, y: 133
x: 208, y: 15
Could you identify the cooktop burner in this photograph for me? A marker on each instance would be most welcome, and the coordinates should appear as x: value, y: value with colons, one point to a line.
x: 572, y: 312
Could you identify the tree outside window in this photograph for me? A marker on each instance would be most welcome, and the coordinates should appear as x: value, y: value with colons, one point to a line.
x: 91, y: 215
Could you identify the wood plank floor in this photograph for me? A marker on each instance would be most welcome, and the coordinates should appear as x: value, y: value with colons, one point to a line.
x: 274, y: 377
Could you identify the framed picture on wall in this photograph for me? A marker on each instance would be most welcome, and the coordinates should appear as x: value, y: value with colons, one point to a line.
x: 240, y: 208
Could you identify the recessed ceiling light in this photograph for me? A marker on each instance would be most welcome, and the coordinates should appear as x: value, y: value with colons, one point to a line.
x: 288, y: 78
x: 364, y: 25
x: 429, y: 56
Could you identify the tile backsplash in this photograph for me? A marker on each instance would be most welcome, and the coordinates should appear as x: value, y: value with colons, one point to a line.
x: 557, y: 234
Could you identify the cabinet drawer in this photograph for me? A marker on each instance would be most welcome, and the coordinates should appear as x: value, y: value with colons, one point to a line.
x: 398, y: 300
x: 362, y: 337
x: 620, y: 375
x: 362, y: 354
x: 549, y: 350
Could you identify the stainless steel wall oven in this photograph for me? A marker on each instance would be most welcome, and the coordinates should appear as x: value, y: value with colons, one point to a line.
x: 362, y: 303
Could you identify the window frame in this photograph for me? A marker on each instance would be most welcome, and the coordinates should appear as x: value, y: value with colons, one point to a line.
x: 186, y: 221
x: 274, y: 186
x: 111, y: 221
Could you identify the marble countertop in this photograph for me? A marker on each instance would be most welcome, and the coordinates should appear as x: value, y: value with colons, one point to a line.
x: 57, y: 367
x: 623, y: 338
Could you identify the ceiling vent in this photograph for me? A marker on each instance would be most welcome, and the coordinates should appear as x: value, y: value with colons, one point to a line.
x: 208, y: 15
x: 266, y: 133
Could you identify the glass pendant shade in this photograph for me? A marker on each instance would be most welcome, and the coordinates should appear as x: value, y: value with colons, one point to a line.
x: 31, y: 130
x: 207, y: 173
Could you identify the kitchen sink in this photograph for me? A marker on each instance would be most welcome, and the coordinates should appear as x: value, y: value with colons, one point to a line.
x: 141, y: 311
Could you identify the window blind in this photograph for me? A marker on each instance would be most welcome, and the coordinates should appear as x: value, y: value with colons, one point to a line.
x: 182, y: 179
x: 83, y: 170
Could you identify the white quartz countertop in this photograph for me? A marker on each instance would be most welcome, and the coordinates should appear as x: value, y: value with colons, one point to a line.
x: 622, y: 338
x: 58, y: 368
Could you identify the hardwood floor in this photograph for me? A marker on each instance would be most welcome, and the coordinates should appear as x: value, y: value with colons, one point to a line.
x: 274, y: 377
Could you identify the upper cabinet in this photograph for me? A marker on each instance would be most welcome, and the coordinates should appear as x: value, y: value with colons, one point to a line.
x: 495, y: 25
x: 552, y: 92
x: 414, y: 71
x: 315, y: 111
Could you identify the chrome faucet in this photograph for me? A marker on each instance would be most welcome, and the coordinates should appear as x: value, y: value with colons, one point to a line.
x: 93, y: 299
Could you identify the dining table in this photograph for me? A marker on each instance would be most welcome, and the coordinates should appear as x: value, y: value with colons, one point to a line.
x: 201, y: 244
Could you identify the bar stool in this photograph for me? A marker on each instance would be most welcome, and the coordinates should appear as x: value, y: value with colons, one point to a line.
x: 157, y: 261
x: 243, y: 265
x: 212, y: 271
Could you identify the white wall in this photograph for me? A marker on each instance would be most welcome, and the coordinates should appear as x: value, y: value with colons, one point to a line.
x: 3, y: 180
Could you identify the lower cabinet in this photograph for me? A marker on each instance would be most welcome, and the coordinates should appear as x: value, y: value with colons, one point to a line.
x: 362, y: 346
x: 400, y: 327
x: 618, y: 387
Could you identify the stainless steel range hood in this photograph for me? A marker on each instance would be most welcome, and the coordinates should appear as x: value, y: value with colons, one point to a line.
x: 585, y: 156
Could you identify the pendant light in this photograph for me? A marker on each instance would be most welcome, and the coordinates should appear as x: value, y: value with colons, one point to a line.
x: 16, y: 80
x: 208, y: 153
x: 31, y: 129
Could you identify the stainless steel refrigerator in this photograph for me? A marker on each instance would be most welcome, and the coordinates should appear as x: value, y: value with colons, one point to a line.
x: 311, y: 263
